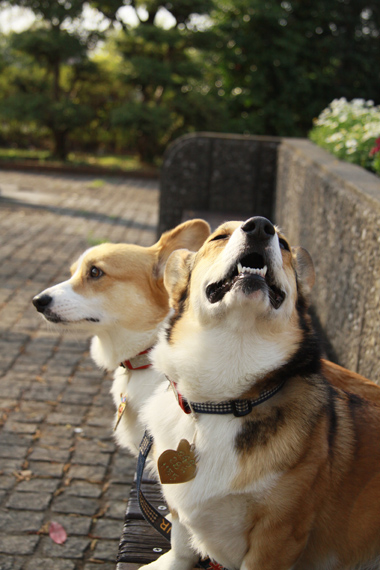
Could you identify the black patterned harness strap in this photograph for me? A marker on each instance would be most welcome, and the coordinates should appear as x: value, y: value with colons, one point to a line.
x: 159, y: 522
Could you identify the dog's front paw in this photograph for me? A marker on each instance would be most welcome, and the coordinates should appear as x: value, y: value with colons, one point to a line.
x: 171, y: 561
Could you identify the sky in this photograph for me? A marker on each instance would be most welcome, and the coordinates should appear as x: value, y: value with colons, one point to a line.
x: 16, y: 19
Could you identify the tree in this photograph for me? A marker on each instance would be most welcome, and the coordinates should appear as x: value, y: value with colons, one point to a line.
x: 168, y: 69
x: 281, y: 63
x: 39, y: 90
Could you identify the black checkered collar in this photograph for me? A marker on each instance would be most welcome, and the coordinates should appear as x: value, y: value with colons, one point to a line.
x: 238, y: 408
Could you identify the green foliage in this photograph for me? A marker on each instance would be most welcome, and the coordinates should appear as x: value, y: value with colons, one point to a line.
x: 350, y: 131
x: 245, y: 66
x: 169, y: 71
x: 124, y: 162
x: 53, y: 11
x: 49, y: 46
x: 281, y: 62
x: 44, y: 66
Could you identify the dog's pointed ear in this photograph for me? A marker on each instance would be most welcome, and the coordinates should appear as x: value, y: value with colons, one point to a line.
x: 74, y: 267
x: 305, y: 269
x: 190, y: 235
x: 177, y: 275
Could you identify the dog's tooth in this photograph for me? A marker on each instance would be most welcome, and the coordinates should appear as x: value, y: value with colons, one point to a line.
x: 264, y: 270
x: 239, y: 267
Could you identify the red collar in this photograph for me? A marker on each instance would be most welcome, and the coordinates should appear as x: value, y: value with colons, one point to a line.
x: 138, y: 362
x: 183, y: 403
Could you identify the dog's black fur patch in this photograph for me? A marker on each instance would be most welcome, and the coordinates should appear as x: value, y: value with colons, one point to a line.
x: 305, y: 363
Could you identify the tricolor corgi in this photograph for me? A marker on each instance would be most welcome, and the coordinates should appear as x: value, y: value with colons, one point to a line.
x: 116, y: 293
x: 279, y: 463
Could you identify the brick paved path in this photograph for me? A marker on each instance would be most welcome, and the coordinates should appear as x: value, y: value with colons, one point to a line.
x: 58, y: 461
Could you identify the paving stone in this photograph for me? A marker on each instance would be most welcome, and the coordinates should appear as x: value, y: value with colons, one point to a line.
x: 91, y: 458
x: 29, y: 501
x: 8, y: 404
x: 118, y: 491
x: 18, y: 544
x: 7, y: 482
x: 46, y: 469
x: 13, y: 452
x: 73, y: 548
x: 49, y: 564
x: 70, y: 504
x: 9, y: 466
x: 74, y: 524
x: 56, y: 400
x: 84, y: 489
x: 106, y: 550
x: 64, y: 419
x: 11, y: 562
x: 14, y: 439
x: 42, y: 393
x: 17, y: 521
x: 95, y: 446
x: 92, y: 473
x: 59, y: 437
x: 106, y: 528
x: 44, y: 453
x: 36, y: 485
x: 123, y: 469
x: 116, y: 509
x: 20, y: 427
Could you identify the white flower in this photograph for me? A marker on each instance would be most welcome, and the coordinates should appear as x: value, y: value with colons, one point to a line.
x: 334, y: 137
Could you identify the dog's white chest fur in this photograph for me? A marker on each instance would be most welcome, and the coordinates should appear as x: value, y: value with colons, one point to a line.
x: 218, y: 519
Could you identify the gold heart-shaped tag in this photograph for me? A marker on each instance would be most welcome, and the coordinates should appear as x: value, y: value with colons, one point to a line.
x: 177, y: 466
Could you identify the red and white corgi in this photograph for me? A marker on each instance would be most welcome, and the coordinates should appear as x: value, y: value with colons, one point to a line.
x: 286, y: 444
x: 116, y: 293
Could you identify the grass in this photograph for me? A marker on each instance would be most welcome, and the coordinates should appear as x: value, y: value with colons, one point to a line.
x: 41, y: 157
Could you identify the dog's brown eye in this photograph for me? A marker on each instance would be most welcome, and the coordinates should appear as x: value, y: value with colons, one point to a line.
x: 220, y: 236
x: 95, y: 272
x: 283, y: 244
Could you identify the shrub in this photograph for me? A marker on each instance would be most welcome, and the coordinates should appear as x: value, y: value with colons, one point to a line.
x: 350, y: 131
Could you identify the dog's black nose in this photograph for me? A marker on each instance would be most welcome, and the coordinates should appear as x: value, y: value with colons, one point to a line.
x: 41, y: 302
x: 259, y: 228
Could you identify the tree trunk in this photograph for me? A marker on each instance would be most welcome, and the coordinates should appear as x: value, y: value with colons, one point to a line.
x: 60, y: 144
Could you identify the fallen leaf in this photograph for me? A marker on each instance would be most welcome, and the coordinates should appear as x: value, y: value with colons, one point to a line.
x: 57, y: 533
x: 23, y: 475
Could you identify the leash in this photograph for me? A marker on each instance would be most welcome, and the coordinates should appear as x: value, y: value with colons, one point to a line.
x: 158, y: 521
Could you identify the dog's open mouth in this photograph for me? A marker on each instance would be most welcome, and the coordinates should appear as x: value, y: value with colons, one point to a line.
x: 251, y: 273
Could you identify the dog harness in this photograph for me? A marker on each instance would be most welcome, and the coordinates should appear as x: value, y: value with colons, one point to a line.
x: 138, y: 362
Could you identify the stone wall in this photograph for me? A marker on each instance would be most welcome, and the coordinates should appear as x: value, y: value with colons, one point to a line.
x: 208, y: 172
x: 330, y: 207
x: 333, y: 209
